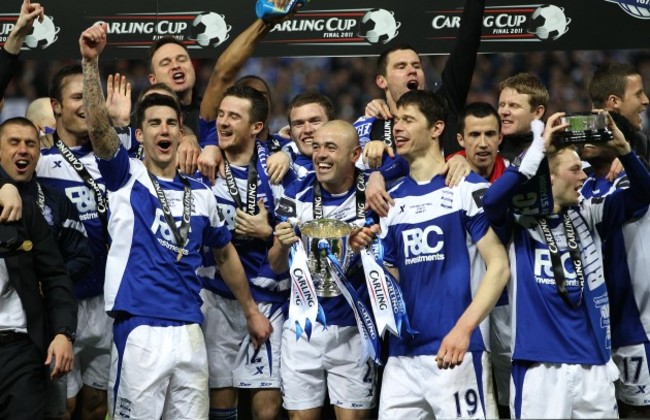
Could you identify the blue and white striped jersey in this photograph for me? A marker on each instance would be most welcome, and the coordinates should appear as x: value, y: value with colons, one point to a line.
x: 53, y: 170
x: 298, y: 202
x: 265, y: 285
x: 626, y: 254
x: 429, y: 236
x: 143, y: 276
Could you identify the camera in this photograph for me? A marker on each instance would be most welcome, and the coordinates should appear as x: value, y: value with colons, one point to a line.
x: 584, y: 127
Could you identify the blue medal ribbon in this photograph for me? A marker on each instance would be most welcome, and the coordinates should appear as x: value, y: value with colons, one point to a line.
x: 365, y: 323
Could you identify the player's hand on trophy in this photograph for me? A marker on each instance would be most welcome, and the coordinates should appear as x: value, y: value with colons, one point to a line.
x: 362, y: 237
x: 286, y: 234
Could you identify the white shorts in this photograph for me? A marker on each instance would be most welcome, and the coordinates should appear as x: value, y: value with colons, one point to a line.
x: 500, y: 336
x: 92, y: 348
x: 560, y: 390
x: 415, y: 388
x: 158, y: 371
x: 232, y: 358
x: 633, y: 385
x: 328, y: 362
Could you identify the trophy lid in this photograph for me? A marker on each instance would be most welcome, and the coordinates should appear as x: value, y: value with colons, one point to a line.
x: 325, y: 228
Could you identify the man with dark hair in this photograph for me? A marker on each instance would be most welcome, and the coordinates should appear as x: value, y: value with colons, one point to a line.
x: 306, y: 112
x: 479, y: 133
x: 38, y: 305
x: 429, y: 224
x: 399, y: 70
x: 618, y: 88
x: 224, y: 75
x: 70, y: 166
x: 246, y: 200
x: 152, y: 288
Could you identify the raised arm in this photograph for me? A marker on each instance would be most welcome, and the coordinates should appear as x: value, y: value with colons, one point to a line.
x: 228, y: 65
x: 29, y: 12
x: 104, y: 138
x: 459, y: 69
x: 9, y: 54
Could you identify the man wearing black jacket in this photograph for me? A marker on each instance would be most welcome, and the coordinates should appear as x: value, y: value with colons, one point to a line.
x: 38, y: 314
x: 19, y: 153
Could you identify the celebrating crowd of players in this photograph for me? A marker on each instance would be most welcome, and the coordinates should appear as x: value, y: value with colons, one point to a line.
x: 177, y: 223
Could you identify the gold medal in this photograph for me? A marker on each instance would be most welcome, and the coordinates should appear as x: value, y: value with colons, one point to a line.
x: 26, y: 246
x: 180, y: 254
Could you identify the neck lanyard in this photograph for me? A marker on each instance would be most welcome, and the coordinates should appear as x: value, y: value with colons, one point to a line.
x: 100, y: 198
x: 556, y: 261
x: 179, y: 234
x: 383, y: 129
x: 40, y: 198
x: 251, y: 191
x: 360, y: 196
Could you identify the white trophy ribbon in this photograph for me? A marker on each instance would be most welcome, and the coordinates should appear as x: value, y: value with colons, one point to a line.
x: 380, y: 299
x: 303, y: 306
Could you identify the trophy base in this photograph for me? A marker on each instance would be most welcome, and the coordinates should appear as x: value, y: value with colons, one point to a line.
x: 585, y: 136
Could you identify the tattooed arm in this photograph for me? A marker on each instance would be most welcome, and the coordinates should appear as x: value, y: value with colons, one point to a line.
x: 102, y: 135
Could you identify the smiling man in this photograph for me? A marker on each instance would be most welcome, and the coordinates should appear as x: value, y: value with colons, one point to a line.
x: 429, y: 225
x: 70, y: 166
x: 618, y: 88
x: 246, y: 200
x: 307, y: 111
x: 328, y: 362
x: 522, y: 99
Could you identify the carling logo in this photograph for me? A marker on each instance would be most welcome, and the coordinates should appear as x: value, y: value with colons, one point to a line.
x: 195, y: 29
x: 347, y: 27
x: 521, y: 23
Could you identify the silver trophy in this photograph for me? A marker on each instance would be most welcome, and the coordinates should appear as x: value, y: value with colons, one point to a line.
x: 336, y: 234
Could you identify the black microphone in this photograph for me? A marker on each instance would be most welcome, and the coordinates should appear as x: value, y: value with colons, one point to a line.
x: 412, y: 85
